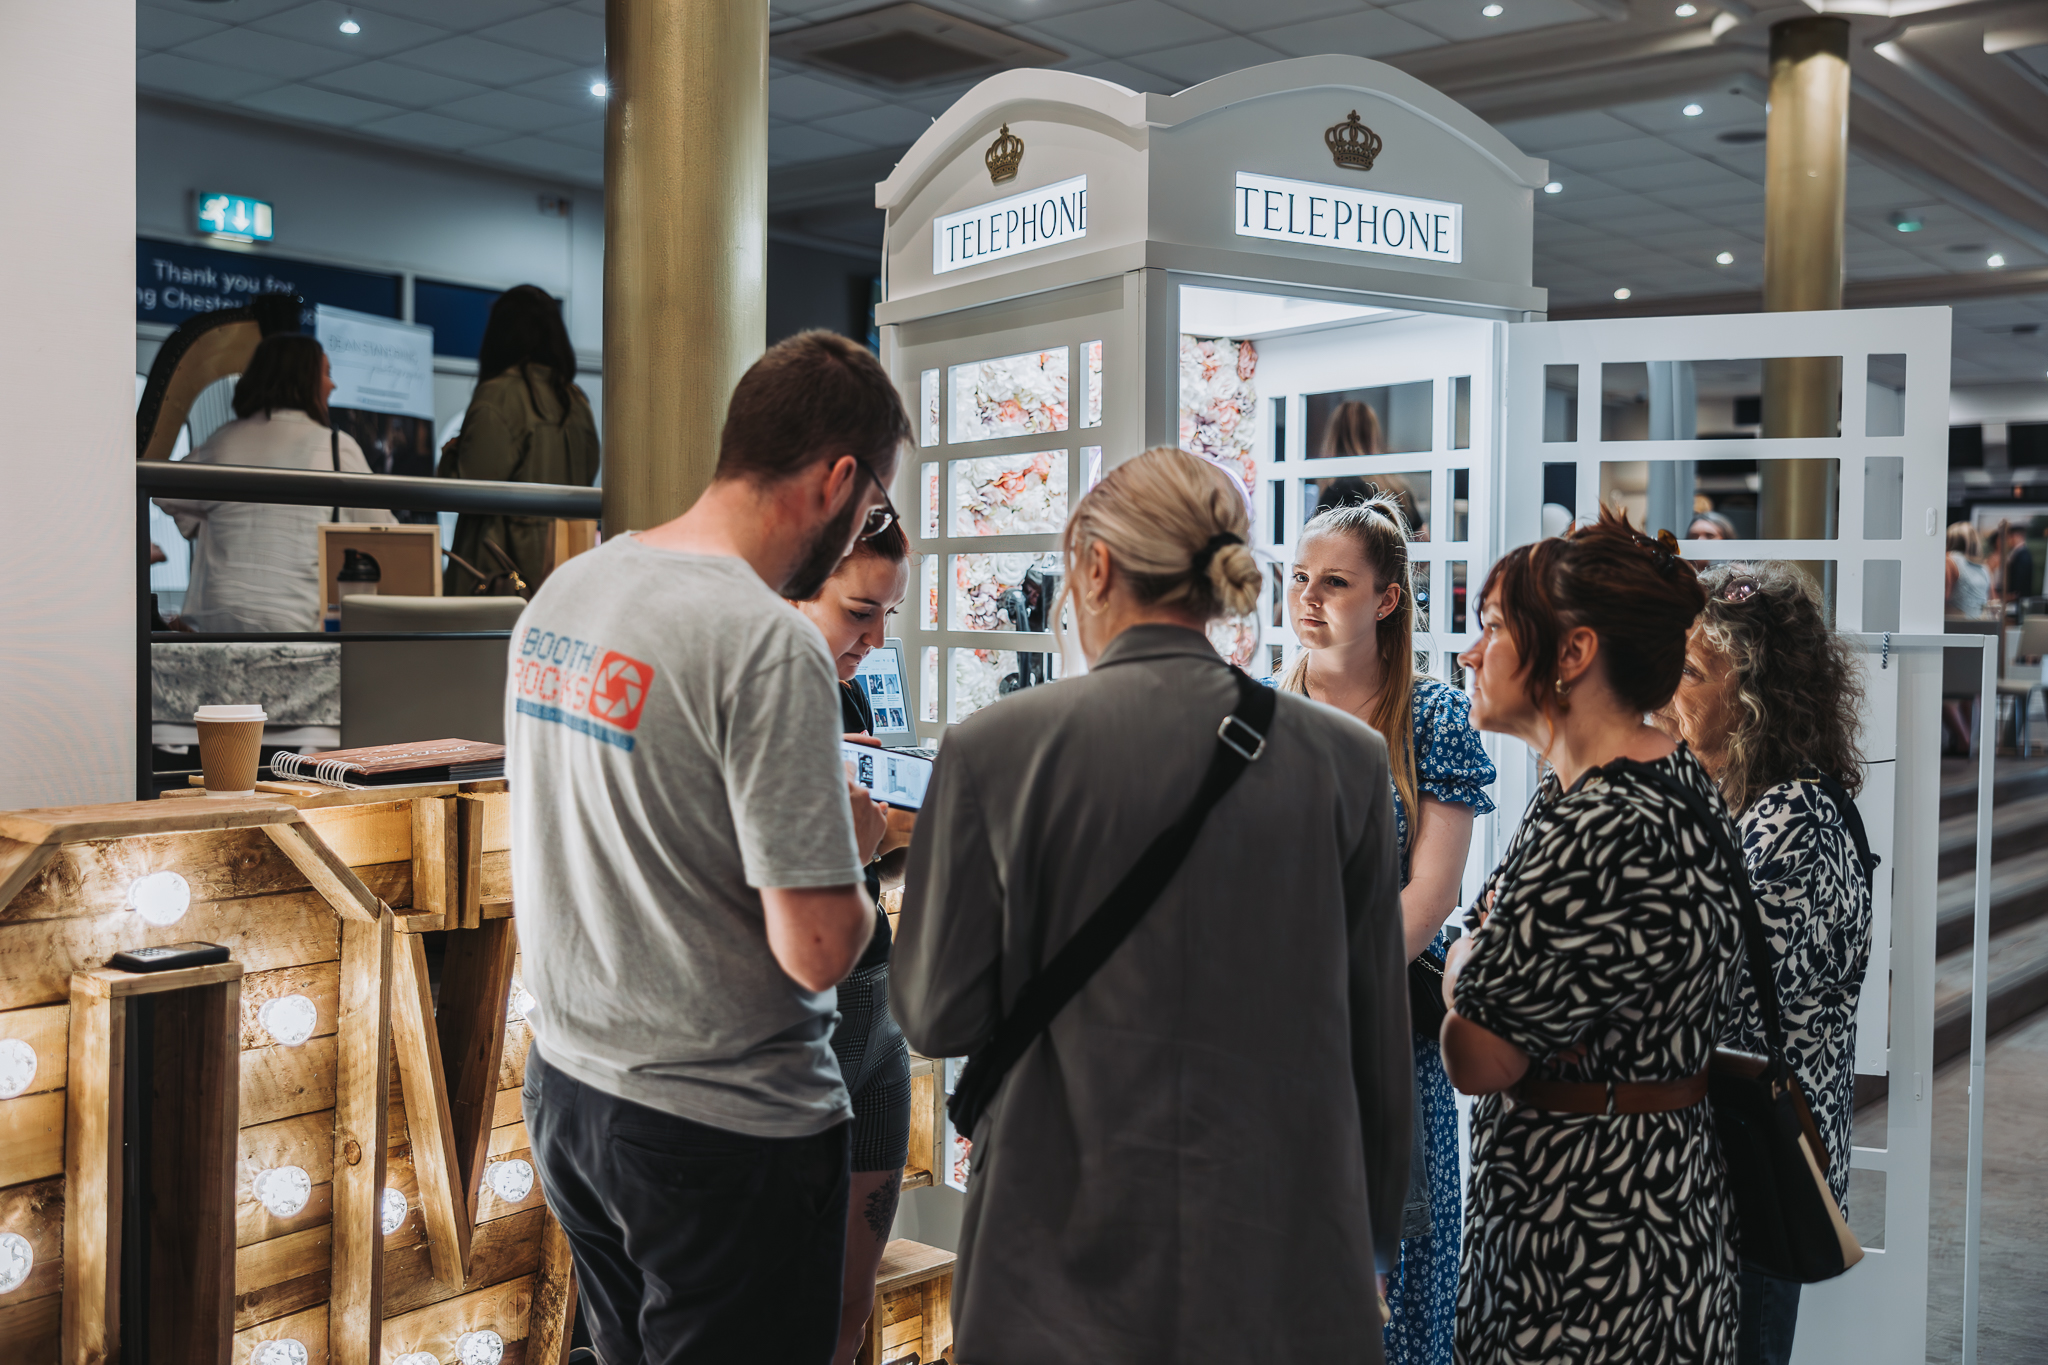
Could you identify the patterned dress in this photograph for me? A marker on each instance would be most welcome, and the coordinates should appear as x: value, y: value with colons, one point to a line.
x: 1591, y: 1237
x: 1422, y: 1292
x: 1815, y: 905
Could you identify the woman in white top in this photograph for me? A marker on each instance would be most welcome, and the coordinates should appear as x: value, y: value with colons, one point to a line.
x: 1969, y: 582
x: 255, y: 565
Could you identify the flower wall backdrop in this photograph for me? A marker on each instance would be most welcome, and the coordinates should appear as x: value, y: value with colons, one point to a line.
x: 1010, y: 495
x: 1219, y: 405
x: 1012, y: 395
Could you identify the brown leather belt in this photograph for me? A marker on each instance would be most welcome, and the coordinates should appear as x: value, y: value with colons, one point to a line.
x: 1611, y: 1097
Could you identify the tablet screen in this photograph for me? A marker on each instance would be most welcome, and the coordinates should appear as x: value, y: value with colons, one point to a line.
x: 894, y: 776
x: 880, y: 676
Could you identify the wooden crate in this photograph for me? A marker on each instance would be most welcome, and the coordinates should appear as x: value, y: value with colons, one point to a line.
x: 913, y: 1318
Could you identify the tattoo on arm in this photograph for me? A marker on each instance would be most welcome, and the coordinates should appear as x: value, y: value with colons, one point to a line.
x: 880, y: 1211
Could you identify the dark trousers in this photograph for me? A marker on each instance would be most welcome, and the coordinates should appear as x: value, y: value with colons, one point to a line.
x: 692, y: 1243
x: 1770, y: 1314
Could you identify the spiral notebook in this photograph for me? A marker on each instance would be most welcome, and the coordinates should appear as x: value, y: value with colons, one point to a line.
x: 389, y: 765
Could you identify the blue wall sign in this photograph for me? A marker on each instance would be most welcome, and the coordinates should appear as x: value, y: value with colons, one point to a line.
x: 235, y: 217
x: 174, y: 280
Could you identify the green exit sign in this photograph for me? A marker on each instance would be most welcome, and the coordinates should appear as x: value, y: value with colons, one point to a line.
x: 235, y: 217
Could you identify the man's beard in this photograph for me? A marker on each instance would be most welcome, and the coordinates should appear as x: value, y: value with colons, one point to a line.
x: 826, y: 551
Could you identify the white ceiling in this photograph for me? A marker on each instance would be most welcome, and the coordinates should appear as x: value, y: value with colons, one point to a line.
x: 1649, y: 195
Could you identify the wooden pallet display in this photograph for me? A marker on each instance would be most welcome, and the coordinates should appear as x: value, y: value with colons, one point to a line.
x: 913, y: 1321
x: 319, y: 895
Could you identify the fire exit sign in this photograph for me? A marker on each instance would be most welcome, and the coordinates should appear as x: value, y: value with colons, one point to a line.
x: 235, y: 217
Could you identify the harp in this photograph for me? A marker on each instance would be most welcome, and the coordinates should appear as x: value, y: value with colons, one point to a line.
x: 205, y: 348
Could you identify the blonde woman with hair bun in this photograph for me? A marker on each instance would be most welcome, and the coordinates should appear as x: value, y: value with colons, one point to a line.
x: 1351, y: 603
x: 1202, y: 1160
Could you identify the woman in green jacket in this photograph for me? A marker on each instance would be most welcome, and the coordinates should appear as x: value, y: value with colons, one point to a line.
x: 527, y: 422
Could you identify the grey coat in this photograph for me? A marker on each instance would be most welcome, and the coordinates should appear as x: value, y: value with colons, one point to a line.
x: 1205, y: 1155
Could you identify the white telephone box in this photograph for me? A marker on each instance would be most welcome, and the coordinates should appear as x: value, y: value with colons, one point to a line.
x: 1074, y: 272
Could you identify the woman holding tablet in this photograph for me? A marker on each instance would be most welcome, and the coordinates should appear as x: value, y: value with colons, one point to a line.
x: 852, y: 611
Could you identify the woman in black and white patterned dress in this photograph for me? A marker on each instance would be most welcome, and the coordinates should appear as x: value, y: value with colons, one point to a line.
x: 1769, y: 702
x: 1587, y: 1005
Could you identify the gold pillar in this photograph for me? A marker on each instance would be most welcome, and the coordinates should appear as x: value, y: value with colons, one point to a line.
x: 1805, y: 188
x: 685, y: 237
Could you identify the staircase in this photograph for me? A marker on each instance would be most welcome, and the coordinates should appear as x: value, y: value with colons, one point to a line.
x: 2019, y: 905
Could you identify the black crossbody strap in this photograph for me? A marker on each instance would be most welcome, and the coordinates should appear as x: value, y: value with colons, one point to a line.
x: 1240, y: 739
x: 334, y: 454
x: 1845, y: 805
x: 1753, y: 939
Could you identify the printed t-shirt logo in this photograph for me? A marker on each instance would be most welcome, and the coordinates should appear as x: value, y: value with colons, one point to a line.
x: 582, y: 686
x: 619, y: 690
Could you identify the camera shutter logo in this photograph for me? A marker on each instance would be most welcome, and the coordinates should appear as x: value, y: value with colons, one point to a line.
x: 619, y: 689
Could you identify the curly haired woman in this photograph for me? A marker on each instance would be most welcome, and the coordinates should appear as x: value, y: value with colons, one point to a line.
x: 1768, y: 701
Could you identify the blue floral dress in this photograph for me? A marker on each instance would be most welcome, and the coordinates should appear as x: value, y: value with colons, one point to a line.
x: 1422, y: 1292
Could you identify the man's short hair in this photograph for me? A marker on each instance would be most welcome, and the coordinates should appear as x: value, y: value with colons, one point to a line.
x: 809, y: 397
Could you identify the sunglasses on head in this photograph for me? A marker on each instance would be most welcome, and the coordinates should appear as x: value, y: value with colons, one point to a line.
x: 1737, y: 590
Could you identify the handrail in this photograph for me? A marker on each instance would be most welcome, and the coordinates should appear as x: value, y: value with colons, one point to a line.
x: 396, y: 492
x: 315, y: 637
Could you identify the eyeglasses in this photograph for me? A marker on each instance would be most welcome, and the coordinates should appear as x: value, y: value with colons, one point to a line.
x: 1738, y: 590
x: 880, y: 518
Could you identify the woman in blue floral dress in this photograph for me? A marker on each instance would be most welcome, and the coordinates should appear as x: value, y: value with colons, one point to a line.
x: 1351, y: 606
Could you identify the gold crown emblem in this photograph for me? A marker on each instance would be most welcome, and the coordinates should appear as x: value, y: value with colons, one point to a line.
x: 1352, y: 144
x: 1005, y: 154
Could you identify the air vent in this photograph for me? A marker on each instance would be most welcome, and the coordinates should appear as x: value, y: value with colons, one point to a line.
x: 909, y: 45
x: 1742, y: 137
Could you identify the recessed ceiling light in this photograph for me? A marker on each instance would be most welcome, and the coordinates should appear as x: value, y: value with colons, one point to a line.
x: 1553, y: 188
x: 1725, y: 258
x: 1686, y: 11
x: 1621, y: 293
x: 1995, y: 261
x: 1692, y: 111
x: 1494, y: 11
x: 1906, y: 222
x: 349, y: 25
x: 600, y: 89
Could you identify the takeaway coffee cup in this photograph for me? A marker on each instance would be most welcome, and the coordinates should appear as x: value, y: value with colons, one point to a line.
x: 230, y: 738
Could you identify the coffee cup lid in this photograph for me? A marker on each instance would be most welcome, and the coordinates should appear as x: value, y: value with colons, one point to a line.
x: 229, y: 713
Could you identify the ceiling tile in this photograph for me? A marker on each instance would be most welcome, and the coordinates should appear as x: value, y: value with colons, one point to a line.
x: 548, y: 157
x: 244, y: 10
x: 1030, y: 11
x: 1370, y: 33
x: 1132, y: 27
x: 1726, y: 194
x: 1602, y: 157
x: 197, y: 80
x: 1462, y: 20
x: 1130, y: 77
x: 487, y: 63
x: 156, y: 28
x: 459, y: 16
x: 281, y: 59
x: 565, y: 33
x: 588, y: 134
x: 1198, y: 62
x: 807, y: 97
x: 800, y: 143
x: 1256, y: 19
x: 394, y: 84
x: 502, y: 109
x: 570, y: 89
x: 434, y: 130
x: 320, y: 25
x: 1554, y: 134
x: 889, y: 125
x: 1719, y: 110
x: 317, y: 106
x: 1669, y: 175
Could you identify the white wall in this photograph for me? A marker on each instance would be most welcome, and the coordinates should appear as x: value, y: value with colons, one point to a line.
x: 376, y: 207
x: 1998, y: 403
x: 67, y: 562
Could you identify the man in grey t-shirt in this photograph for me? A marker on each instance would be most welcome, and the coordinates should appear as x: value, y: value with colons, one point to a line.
x: 687, y: 857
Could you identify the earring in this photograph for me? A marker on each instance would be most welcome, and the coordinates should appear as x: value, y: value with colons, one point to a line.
x: 1564, y: 692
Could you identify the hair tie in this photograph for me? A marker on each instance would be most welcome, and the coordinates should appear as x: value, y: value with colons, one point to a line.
x: 1200, y: 563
